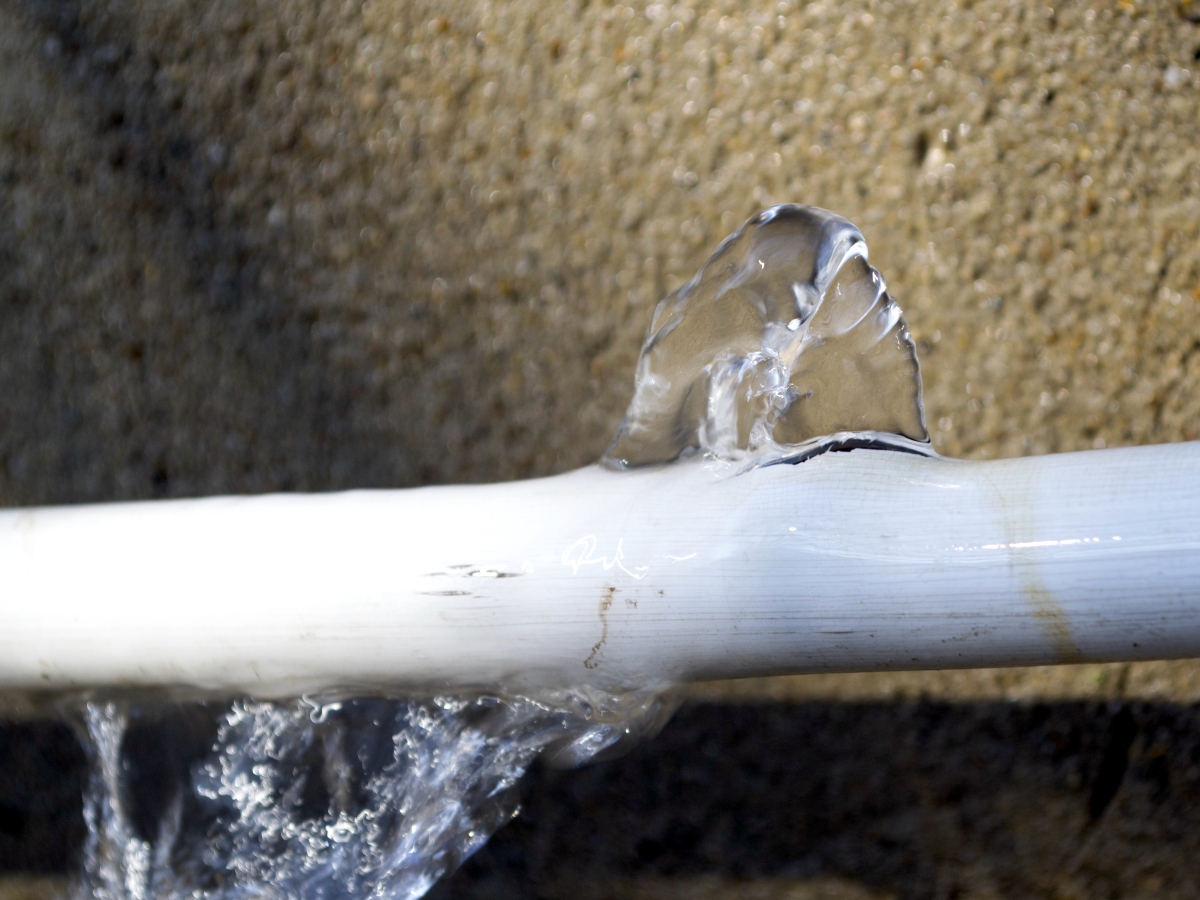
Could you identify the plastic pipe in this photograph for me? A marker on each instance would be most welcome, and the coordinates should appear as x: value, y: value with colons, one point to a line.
x: 869, y: 560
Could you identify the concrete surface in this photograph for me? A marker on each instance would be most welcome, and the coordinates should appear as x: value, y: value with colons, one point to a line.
x: 304, y: 245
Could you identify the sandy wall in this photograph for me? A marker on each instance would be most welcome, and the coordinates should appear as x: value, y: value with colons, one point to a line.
x: 250, y: 246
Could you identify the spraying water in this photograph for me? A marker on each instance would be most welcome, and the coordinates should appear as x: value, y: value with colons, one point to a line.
x: 369, y: 798
x: 784, y: 345
x: 784, y: 342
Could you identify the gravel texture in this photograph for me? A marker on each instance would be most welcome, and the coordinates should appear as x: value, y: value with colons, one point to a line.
x: 251, y: 246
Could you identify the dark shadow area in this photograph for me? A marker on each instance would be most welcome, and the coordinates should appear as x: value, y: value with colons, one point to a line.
x: 42, y: 775
x: 152, y: 345
x: 922, y: 799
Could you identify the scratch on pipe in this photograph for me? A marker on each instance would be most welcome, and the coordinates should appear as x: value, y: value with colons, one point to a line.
x: 606, y: 602
x: 582, y: 553
x: 679, y: 559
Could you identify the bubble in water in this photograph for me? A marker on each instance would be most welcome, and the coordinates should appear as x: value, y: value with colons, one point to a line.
x: 786, y: 336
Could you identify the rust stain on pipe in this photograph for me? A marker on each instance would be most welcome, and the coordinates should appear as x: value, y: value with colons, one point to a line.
x: 606, y: 602
x: 1016, y: 514
x: 1050, y: 615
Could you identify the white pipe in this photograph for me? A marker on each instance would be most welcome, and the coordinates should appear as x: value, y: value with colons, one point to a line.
x: 849, y: 561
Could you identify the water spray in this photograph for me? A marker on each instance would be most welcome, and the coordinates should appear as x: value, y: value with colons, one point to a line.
x: 726, y: 534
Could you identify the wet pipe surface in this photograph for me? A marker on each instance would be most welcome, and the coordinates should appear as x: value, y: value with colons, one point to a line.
x: 915, y: 799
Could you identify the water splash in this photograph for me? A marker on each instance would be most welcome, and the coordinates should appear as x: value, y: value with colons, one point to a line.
x: 362, y: 799
x: 785, y: 340
x: 785, y: 344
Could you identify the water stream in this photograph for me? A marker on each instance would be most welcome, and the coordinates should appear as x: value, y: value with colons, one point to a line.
x: 785, y: 344
x: 364, y: 798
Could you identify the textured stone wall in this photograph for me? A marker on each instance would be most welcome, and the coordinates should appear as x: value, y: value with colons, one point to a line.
x: 249, y: 246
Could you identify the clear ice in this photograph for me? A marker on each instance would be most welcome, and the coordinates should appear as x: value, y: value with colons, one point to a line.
x: 785, y: 341
x: 785, y: 344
